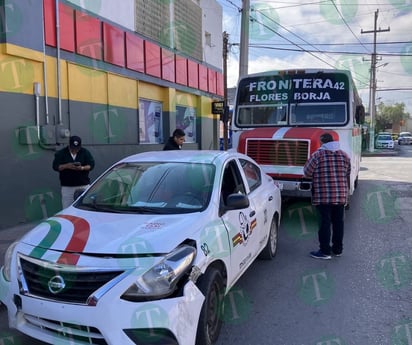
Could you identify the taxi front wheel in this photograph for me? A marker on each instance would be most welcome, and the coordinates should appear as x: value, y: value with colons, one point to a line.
x: 210, y: 322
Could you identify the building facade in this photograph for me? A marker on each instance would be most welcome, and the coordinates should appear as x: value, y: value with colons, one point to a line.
x: 122, y: 75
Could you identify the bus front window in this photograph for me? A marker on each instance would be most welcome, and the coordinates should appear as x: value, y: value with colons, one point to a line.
x: 262, y: 116
x: 319, y: 114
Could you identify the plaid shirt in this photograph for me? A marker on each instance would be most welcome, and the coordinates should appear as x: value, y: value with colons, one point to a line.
x: 330, y: 173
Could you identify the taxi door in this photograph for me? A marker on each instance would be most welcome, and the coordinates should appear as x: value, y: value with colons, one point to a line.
x: 258, y: 199
x: 239, y: 223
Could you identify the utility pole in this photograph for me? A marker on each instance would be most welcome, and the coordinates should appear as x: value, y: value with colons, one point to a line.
x: 225, y: 116
x: 372, y: 83
x: 244, y: 40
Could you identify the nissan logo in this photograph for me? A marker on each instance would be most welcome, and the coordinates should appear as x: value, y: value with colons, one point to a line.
x: 56, y: 284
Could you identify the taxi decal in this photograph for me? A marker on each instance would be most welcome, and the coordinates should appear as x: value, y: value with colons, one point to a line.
x: 246, y: 230
x: 153, y: 226
x: 48, y: 240
x: 253, y: 225
x: 76, y: 244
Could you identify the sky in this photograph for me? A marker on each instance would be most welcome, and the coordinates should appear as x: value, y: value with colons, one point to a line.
x: 328, y: 34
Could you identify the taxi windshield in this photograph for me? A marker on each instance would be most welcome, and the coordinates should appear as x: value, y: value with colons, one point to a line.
x: 151, y: 187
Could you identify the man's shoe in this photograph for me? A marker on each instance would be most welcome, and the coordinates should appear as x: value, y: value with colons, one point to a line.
x: 320, y: 255
x: 336, y: 254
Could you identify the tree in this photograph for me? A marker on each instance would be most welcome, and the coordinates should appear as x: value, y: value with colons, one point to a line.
x: 389, y: 116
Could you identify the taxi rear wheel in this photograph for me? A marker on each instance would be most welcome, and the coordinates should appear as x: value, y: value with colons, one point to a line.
x: 210, y: 322
x: 270, y: 249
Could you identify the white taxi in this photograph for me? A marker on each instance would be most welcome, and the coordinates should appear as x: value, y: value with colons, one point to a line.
x: 146, y: 254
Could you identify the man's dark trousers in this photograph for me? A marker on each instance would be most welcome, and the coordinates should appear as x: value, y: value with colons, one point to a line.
x: 331, y: 215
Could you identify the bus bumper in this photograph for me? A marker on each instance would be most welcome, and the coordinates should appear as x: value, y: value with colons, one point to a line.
x: 298, y: 189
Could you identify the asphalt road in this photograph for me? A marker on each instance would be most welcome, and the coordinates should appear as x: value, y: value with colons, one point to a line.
x: 361, y: 298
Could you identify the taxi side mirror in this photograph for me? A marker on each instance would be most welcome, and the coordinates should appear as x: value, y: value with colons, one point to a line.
x: 235, y: 201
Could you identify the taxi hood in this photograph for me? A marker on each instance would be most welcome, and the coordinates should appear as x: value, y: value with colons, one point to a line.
x: 89, y: 232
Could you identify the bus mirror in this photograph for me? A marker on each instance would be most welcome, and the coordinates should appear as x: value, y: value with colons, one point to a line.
x: 360, y: 114
x: 225, y: 116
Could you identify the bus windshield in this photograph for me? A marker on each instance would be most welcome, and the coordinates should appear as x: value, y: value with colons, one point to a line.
x: 318, y: 114
x: 263, y: 115
x: 311, y: 99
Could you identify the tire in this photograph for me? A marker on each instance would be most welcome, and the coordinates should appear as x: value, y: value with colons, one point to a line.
x: 269, y: 252
x: 210, y: 321
x: 356, y: 182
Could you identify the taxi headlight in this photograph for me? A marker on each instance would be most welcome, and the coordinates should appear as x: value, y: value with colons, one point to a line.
x: 7, y: 261
x: 161, y: 280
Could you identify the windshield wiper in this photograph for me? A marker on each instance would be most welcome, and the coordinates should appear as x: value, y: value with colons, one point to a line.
x: 149, y: 210
x: 101, y: 208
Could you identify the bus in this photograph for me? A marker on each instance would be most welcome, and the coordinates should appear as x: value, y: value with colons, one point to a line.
x: 279, y: 116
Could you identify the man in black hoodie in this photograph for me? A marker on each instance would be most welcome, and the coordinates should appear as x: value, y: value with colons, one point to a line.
x: 176, y: 141
x: 73, y: 163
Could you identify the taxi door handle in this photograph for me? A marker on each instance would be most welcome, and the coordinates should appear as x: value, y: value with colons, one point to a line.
x: 271, y: 198
x: 252, y: 213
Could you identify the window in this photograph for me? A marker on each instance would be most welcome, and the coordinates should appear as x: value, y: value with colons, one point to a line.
x: 232, y: 181
x: 156, y: 187
x: 253, y: 175
x: 150, y: 122
x: 208, y: 39
x: 186, y: 120
x: 318, y: 114
x: 263, y: 115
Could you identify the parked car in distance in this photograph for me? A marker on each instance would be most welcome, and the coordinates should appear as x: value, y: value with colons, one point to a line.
x: 384, y: 141
x: 405, y: 138
x: 146, y: 254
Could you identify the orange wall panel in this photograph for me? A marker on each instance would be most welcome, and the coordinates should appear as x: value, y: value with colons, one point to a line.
x: 192, y: 74
x: 211, y: 76
x: 168, y: 65
x: 66, y: 17
x: 49, y: 22
x: 152, y: 59
x: 181, y: 70
x: 134, y: 52
x: 203, y: 81
x: 113, y: 45
x: 66, y: 21
x: 219, y: 84
x: 88, y: 36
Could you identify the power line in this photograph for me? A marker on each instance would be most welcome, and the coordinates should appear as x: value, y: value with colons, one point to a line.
x: 288, y: 40
x: 283, y: 27
x: 234, y: 5
x: 347, y: 25
x: 346, y: 44
x: 252, y: 45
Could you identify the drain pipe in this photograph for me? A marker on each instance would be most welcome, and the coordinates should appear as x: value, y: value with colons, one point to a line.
x: 60, y: 120
x: 46, y: 93
x: 37, y: 93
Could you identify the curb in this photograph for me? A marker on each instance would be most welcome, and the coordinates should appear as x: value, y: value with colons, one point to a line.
x: 380, y: 153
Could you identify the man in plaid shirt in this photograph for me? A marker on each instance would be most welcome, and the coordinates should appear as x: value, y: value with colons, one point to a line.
x: 329, y: 167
